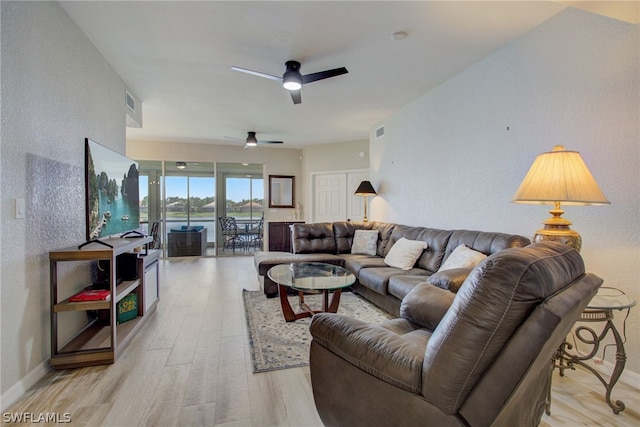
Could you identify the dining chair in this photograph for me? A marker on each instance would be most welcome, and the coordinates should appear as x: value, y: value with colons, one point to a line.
x: 231, y: 233
x: 257, y: 233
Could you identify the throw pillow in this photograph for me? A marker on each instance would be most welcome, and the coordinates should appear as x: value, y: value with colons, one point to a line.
x: 462, y: 257
x: 404, y: 253
x: 365, y: 242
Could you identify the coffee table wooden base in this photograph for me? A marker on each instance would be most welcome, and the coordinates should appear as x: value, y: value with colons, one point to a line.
x: 327, y: 307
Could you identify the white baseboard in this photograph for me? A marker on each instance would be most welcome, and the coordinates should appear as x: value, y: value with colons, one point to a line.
x: 16, y: 391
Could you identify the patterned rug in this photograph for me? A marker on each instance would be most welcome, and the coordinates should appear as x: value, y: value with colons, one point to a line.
x: 276, y: 344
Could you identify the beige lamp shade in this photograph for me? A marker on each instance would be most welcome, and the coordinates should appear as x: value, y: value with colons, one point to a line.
x: 556, y: 177
x: 560, y: 176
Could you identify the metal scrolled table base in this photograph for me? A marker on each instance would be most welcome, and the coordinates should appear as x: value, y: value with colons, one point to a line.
x: 562, y: 359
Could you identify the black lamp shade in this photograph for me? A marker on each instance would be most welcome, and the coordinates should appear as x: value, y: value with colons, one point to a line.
x: 365, y: 189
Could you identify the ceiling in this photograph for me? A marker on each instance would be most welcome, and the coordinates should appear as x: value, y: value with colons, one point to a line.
x: 176, y: 58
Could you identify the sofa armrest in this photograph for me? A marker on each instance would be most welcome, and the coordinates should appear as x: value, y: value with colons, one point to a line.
x: 426, y: 305
x: 450, y: 279
x: 373, y: 349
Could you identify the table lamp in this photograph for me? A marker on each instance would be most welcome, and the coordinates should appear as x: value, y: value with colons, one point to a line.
x: 556, y: 177
x: 365, y: 189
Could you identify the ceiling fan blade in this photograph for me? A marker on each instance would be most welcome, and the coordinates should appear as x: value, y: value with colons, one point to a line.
x: 296, y: 96
x: 234, y: 138
x: 308, y: 78
x: 257, y: 73
x: 270, y: 142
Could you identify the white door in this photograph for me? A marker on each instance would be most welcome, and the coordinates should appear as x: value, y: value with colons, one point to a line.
x: 330, y: 202
x: 333, y: 198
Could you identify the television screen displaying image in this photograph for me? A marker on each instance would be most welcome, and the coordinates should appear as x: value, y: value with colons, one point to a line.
x: 112, y: 192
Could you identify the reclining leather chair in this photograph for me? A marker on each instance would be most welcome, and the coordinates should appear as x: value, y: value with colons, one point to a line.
x: 476, y: 358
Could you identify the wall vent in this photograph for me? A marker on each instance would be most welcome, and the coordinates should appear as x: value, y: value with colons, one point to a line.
x: 130, y: 101
x: 380, y: 132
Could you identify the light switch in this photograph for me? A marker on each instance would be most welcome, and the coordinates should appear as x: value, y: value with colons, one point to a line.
x: 20, y: 208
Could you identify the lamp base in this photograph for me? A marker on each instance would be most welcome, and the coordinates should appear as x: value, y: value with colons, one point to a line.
x: 559, y: 233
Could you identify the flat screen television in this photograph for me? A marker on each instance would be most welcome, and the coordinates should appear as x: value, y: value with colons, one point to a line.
x: 112, y: 192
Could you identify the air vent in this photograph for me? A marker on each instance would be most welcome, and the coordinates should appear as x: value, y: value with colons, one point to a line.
x: 131, y: 102
x: 380, y: 132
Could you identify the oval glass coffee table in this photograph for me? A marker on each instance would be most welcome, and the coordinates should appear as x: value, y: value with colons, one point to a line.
x: 310, y: 277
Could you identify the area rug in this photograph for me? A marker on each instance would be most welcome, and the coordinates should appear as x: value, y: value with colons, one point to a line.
x: 276, y: 344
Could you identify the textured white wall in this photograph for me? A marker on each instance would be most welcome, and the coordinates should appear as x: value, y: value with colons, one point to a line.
x: 448, y: 161
x: 56, y: 90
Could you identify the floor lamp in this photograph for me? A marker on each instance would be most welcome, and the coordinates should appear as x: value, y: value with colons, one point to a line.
x: 556, y: 177
x: 365, y: 189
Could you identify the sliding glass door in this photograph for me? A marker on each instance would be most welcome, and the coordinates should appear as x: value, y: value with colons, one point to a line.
x: 189, y: 204
x: 182, y: 195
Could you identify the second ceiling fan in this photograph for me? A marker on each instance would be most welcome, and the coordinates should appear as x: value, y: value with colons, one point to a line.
x: 292, y: 79
x: 252, y: 141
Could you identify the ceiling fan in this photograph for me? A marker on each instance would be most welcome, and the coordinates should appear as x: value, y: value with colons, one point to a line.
x: 292, y: 79
x: 190, y: 165
x: 252, y: 141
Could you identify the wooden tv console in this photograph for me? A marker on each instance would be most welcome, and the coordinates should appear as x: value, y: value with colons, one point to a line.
x: 102, y: 340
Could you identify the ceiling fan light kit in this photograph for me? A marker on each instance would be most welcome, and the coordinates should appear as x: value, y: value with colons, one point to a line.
x: 292, y: 79
x: 252, y: 141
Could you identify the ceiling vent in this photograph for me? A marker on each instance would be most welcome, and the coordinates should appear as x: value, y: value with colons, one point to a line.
x: 133, y: 110
x: 130, y: 101
x: 380, y: 132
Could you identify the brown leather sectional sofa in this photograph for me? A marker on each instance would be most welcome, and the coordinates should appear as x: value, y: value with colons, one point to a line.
x: 383, y: 285
x: 477, y: 357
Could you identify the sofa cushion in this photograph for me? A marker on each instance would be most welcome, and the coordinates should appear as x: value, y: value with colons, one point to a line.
x: 425, y: 305
x: 404, y: 253
x: 344, y: 231
x: 450, y: 279
x: 483, y: 241
x: 365, y: 242
x: 408, y: 330
x: 385, y: 230
x: 462, y: 257
x: 437, y: 240
x: 377, y: 278
x: 355, y: 263
x: 313, y: 238
x: 401, y: 284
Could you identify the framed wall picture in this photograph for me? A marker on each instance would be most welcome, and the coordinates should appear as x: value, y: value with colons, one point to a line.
x: 282, y: 190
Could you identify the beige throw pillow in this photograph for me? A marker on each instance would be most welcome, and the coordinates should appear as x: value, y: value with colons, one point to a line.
x: 462, y: 257
x: 365, y: 242
x: 404, y: 253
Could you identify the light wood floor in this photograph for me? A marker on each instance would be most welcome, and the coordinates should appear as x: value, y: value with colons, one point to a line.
x: 190, y: 365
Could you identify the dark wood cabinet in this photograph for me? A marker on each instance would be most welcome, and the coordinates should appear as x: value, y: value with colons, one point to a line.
x: 280, y: 235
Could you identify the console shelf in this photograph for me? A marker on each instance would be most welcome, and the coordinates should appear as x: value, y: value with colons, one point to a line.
x: 102, y: 340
